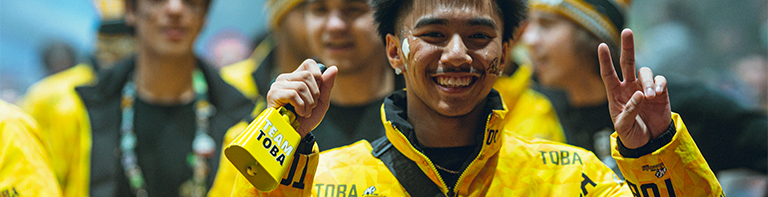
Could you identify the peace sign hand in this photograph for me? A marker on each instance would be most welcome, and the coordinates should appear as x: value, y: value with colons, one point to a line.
x: 639, y: 106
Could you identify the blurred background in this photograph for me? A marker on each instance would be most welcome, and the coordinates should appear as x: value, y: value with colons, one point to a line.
x: 67, y: 32
x: 720, y: 43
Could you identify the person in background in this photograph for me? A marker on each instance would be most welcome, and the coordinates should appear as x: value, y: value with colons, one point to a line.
x: 443, y: 131
x: 338, y: 33
x: 58, y: 56
x: 150, y: 125
x: 561, y: 37
x: 24, y: 161
x: 279, y: 51
x: 531, y: 113
x: 115, y: 41
x: 342, y: 33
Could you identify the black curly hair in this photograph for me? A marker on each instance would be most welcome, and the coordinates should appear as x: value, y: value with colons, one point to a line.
x: 388, y: 12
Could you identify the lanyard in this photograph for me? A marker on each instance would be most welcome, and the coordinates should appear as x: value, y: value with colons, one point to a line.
x: 203, y: 145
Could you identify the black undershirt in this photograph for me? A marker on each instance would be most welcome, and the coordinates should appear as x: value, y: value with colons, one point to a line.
x: 342, y: 125
x: 452, y: 158
x: 164, y: 140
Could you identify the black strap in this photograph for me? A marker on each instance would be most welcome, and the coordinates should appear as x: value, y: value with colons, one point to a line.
x: 407, y: 172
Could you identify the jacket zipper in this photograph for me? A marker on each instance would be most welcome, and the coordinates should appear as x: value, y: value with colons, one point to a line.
x: 452, y: 192
x: 431, y: 165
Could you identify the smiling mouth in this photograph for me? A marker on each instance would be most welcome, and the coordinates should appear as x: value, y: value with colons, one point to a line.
x: 174, y: 33
x: 454, y: 82
x: 339, y: 46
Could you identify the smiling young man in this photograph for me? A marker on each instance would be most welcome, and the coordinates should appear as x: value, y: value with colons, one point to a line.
x: 443, y: 132
x: 151, y: 124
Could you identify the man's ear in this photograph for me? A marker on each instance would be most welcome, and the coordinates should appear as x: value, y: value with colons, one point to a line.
x: 504, y: 54
x: 130, y: 12
x: 393, y: 52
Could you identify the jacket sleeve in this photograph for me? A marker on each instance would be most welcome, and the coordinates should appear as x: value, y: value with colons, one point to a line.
x: 676, y: 168
x: 24, y: 163
x: 296, y: 182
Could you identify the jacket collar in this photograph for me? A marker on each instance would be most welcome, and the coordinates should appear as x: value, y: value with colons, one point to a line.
x: 400, y: 133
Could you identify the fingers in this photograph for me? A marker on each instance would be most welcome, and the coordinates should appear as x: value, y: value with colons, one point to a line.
x: 297, y: 90
x: 329, y: 76
x: 610, y: 79
x: 315, y: 75
x: 310, y: 75
x: 300, y: 89
x: 626, y: 118
x: 646, y: 81
x: 311, y: 66
x: 627, y: 58
x: 661, y: 84
x: 629, y: 125
x: 631, y: 108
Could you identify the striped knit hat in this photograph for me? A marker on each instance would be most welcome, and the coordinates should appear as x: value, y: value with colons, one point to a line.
x: 277, y: 9
x: 603, y: 18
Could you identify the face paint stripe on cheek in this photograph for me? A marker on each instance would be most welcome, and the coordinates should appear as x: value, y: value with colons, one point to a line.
x: 406, y: 52
x: 406, y: 49
x: 493, y: 67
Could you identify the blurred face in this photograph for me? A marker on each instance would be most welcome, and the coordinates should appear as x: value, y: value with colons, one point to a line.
x: 551, y: 41
x: 293, y: 26
x: 167, y: 27
x: 342, y: 33
x: 451, y: 54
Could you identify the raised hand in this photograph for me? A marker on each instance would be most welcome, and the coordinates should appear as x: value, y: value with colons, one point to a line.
x: 639, y: 106
x: 309, y: 92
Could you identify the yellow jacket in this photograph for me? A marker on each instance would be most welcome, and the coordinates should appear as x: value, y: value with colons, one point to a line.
x: 507, y: 165
x: 24, y: 162
x: 49, y: 90
x: 54, y: 95
x: 85, y: 119
x: 530, y: 112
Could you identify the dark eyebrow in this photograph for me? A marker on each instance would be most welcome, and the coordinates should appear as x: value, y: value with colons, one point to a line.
x: 430, y: 21
x: 440, y: 21
x: 484, y: 22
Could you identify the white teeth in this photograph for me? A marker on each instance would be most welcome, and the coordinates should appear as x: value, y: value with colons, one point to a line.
x: 454, y: 81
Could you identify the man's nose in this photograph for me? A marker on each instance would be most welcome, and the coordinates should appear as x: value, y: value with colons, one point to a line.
x: 455, y: 52
x: 175, y: 6
x: 336, y: 22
